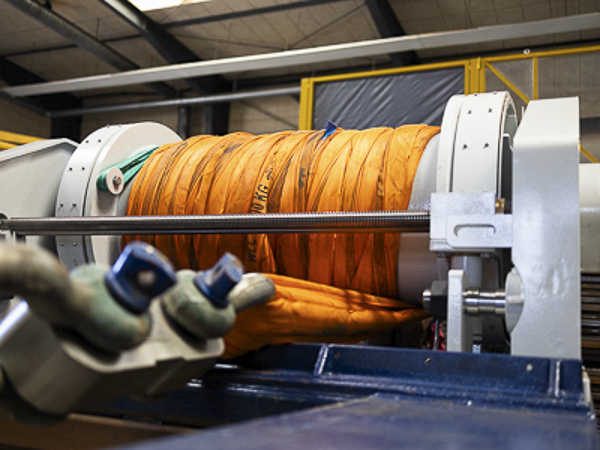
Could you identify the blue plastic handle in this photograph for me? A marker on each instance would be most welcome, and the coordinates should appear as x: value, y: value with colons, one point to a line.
x: 140, y: 273
x: 216, y: 283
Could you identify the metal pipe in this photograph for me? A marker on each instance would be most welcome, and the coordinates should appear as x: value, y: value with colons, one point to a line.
x: 205, y: 100
x: 327, y: 222
x: 436, y: 335
x: 183, y: 121
x: 485, y: 302
x: 314, y: 55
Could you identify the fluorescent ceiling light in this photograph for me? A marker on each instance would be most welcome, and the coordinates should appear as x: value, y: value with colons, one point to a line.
x: 149, y: 5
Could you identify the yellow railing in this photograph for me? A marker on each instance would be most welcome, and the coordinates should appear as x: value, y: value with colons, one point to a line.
x: 10, y: 140
x: 488, y: 63
x: 474, y: 75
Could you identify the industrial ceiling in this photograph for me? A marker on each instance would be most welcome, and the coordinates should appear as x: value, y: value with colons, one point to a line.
x: 56, y: 40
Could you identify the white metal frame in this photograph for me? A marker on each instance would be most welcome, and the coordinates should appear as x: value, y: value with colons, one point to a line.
x: 546, y: 229
x: 29, y: 176
x: 79, y: 196
x: 542, y: 230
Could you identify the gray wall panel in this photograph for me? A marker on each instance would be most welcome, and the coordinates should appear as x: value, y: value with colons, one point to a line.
x: 392, y: 100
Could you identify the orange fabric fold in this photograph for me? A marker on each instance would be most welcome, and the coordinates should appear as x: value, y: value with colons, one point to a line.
x: 304, y: 311
x: 291, y: 171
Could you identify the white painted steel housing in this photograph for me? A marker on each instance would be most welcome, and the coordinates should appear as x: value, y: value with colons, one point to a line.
x: 79, y: 196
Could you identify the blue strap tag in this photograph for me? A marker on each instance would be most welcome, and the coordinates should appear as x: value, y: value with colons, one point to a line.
x: 329, y: 130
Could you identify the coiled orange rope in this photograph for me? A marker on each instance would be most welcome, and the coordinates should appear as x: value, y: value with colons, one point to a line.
x: 292, y: 172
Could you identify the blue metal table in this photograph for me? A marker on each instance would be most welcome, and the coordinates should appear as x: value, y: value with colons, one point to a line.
x: 332, y: 396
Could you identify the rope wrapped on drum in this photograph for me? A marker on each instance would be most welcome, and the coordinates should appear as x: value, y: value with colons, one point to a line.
x: 292, y: 172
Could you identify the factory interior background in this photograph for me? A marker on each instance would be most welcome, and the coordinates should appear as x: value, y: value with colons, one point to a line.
x: 109, y: 38
x: 50, y: 49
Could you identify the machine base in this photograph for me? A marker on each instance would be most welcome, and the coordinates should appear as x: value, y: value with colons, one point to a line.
x: 368, y: 397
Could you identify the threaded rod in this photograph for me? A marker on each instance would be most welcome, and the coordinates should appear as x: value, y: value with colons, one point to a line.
x: 291, y: 223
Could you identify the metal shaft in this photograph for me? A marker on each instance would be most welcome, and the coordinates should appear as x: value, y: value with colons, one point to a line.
x: 292, y: 223
x: 480, y: 302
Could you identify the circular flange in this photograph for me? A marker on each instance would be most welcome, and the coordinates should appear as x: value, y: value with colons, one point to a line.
x: 79, y: 196
x: 515, y: 297
x: 471, y: 154
x: 446, y: 143
x: 475, y: 140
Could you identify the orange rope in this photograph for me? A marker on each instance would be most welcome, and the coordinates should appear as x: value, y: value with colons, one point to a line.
x: 288, y: 172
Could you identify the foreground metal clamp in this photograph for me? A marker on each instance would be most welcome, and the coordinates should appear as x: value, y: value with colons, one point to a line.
x: 205, y: 304
x: 73, y: 345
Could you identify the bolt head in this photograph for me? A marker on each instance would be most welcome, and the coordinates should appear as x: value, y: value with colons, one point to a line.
x: 140, y: 274
x: 217, y: 282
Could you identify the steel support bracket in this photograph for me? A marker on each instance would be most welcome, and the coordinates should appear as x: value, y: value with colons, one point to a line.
x: 460, y: 325
x: 467, y: 222
x: 546, y: 231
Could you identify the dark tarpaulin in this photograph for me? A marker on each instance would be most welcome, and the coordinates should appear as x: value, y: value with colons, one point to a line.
x: 391, y: 100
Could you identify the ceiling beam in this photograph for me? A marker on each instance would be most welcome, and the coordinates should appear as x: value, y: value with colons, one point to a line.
x: 296, y: 77
x: 82, y: 39
x: 317, y: 54
x: 171, y: 49
x: 179, y: 102
x: 13, y: 74
x: 248, y: 13
x: 388, y: 25
x: 216, y: 116
x: 197, y: 21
